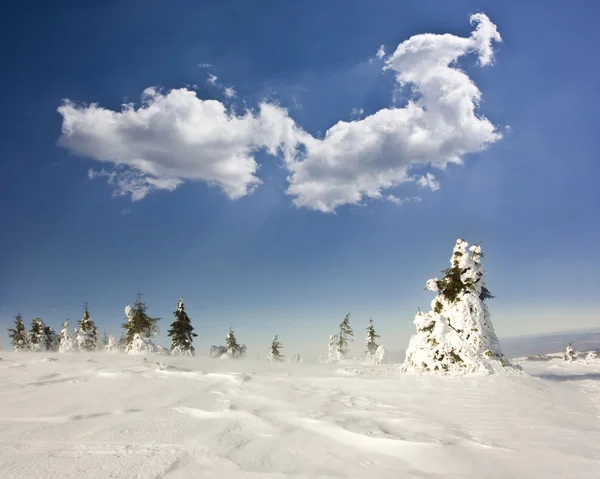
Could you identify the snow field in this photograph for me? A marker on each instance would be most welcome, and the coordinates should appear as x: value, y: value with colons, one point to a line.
x: 99, y: 415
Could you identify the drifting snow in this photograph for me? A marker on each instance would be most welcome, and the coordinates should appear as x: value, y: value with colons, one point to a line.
x: 121, y: 416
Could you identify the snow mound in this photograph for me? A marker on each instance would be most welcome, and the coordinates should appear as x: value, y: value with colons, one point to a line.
x: 142, y: 345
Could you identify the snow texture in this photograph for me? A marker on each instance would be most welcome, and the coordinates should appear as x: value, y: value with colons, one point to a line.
x: 123, y: 417
x: 457, y: 336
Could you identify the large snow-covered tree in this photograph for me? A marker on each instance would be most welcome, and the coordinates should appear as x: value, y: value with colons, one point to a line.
x: 371, y: 343
x: 19, y: 337
x: 86, y: 335
x: 66, y: 342
x: 36, y: 335
x: 457, y: 336
x: 182, y: 332
x: 274, y: 353
x: 345, y: 336
x: 139, y: 329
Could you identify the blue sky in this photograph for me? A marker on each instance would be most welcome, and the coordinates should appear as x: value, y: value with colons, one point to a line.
x: 291, y: 256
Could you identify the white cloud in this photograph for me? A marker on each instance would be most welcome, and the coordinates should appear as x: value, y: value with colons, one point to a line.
x: 229, y: 92
x: 358, y: 159
x: 357, y: 112
x: 212, y: 79
x: 205, y: 65
x: 381, y: 52
x: 175, y: 137
x: 428, y: 181
x: 401, y: 201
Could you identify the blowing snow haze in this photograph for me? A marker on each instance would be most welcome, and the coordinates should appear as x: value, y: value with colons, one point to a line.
x: 237, y: 218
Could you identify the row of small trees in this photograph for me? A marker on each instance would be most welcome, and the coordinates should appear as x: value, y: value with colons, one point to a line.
x: 137, y: 337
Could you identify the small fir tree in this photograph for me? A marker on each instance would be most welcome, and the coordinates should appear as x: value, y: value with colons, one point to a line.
x: 570, y: 355
x: 274, y: 353
x: 36, y: 335
x: 66, y: 342
x: 139, y: 323
x: 296, y: 358
x: 332, y: 352
x: 87, y: 333
x: 111, y: 345
x: 591, y: 356
x: 182, y: 332
x: 346, y: 334
x: 51, y: 340
x: 231, y: 344
x: 371, y: 344
x: 18, y: 335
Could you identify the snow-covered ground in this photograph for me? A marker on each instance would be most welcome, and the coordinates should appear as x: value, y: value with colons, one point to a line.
x: 95, y: 415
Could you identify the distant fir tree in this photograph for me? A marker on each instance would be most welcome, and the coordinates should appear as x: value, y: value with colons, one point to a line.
x: 51, y: 340
x: 332, y: 352
x: 87, y: 333
x: 371, y: 344
x: 36, y: 335
x: 104, y: 340
x: 346, y: 334
x: 570, y: 355
x: 234, y: 350
x: 138, y: 322
x: 18, y: 335
x: 111, y: 345
x: 274, y: 353
x: 182, y: 332
x: 66, y: 342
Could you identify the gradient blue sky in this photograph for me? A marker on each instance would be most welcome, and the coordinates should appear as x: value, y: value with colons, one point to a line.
x: 259, y: 262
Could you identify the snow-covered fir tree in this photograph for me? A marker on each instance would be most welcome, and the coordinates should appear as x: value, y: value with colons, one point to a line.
x: 332, y: 352
x: 346, y: 334
x: 296, y: 358
x: 457, y: 336
x: 371, y: 344
x: 111, y: 345
x: 51, y: 339
x: 36, y: 335
x: 86, y: 336
x: 139, y: 329
x: 591, y: 356
x: 380, y: 356
x: 66, y: 341
x: 570, y: 355
x: 234, y: 350
x: 19, y: 337
x: 182, y: 332
x: 274, y: 353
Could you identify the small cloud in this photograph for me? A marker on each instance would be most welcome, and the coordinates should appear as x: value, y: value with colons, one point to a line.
x: 428, y: 181
x: 507, y: 128
x: 125, y: 211
x: 205, y: 65
x: 381, y: 52
x: 229, y: 92
x: 401, y: 201
x: 212, y: 79
x: 357, y: 112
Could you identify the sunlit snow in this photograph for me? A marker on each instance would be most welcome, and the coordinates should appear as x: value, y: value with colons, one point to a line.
x: 100, y: 415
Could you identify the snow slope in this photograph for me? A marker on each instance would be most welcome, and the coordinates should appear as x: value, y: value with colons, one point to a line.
x: 98, y: 415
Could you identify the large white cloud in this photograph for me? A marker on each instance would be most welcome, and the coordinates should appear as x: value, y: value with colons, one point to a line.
x: 176, y: 136
x: 359, y: 159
